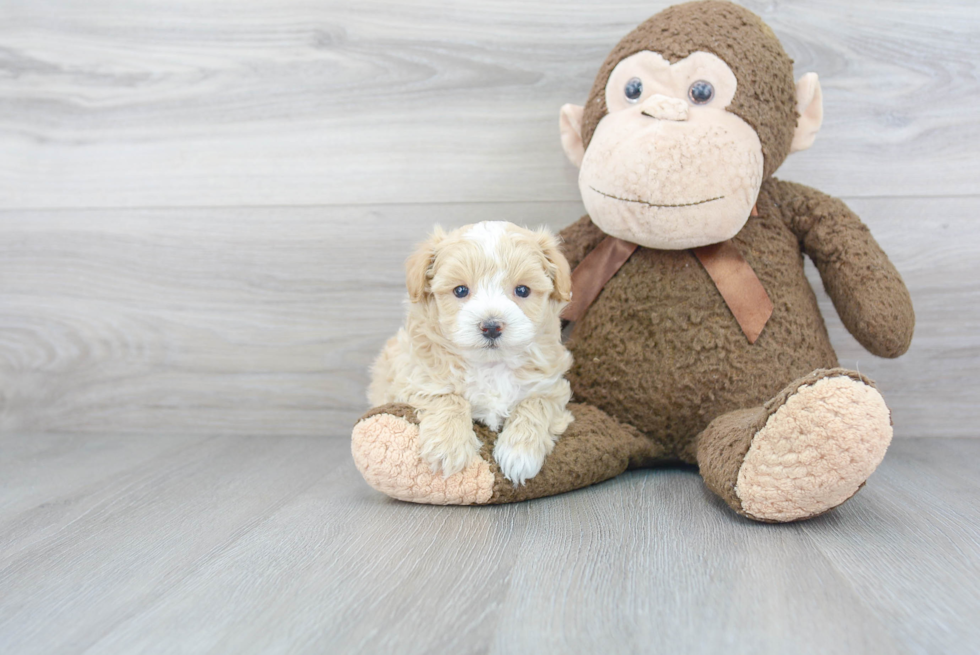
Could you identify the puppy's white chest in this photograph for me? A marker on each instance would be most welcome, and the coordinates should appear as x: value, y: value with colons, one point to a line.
x: 493, y: 391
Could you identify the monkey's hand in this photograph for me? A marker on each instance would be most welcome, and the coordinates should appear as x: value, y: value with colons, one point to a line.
x: 867, y: 291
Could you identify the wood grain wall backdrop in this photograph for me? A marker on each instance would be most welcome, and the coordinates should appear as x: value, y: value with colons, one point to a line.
x: 204, y: 208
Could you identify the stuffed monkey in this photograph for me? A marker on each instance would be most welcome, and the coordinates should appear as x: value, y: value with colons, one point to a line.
x: 697, y: 338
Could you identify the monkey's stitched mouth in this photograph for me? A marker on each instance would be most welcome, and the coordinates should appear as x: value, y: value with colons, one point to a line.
x: 651, y: 204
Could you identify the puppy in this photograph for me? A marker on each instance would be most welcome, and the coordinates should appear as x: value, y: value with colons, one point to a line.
x: 482, y: 340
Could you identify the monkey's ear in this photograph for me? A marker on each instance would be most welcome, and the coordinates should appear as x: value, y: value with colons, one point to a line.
x: 418, y: 268
x: 809, y: 104
x: 570, y: 123
x: 557, y: 266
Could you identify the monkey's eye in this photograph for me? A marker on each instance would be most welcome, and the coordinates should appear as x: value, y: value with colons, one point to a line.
x: 461, y: 291
x: 522, y: 291
x: 633, y: 89
x: 701, y: 92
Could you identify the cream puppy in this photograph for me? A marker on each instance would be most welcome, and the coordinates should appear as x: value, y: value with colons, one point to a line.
x: 482, y: 340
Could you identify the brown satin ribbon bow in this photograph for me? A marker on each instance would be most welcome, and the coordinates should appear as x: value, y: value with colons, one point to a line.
x: 733, y: 276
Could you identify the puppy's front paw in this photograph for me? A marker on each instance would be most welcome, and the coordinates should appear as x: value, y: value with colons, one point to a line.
x: 520, y: 452
x: 448, y: 446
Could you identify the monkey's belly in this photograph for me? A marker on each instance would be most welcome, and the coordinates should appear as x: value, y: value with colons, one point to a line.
x: 661, y: 351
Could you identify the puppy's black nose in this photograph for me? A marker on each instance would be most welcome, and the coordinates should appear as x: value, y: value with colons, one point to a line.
x: 491, y: 329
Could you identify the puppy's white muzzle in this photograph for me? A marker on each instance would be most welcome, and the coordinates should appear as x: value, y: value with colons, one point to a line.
x: 490, y: 319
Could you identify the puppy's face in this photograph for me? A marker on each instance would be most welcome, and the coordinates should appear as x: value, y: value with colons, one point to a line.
x: 494, y: 285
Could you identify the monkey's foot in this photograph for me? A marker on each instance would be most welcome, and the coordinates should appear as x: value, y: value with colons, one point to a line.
x: 815, y: 451
x: 386, y: 450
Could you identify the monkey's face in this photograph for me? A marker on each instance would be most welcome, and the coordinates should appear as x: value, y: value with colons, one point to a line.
x: 668, y: 167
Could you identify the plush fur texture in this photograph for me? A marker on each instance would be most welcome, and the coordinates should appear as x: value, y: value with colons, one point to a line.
x: 662, y: 371
x: 660, y: 350
x: 663, y: 172
x: 386, y: 448
x: 766, y: 95
x: 815, y: 451
x: 807, y: 450
x: 464, y: 286
x: 594, y: 448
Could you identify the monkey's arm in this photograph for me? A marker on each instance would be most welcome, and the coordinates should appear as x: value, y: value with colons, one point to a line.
x: 864, y: 285
x: 579, y: 239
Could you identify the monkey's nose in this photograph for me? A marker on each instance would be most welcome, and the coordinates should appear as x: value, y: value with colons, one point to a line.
x: 491, y: 329
x: 665, y: 108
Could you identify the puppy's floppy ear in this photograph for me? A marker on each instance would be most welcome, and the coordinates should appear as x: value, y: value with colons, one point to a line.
x: 418, y: 268
x: 557, y: 266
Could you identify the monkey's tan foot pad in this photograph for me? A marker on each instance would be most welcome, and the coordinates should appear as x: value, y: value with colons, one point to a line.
x: 386, y: 451
x: 815, y: 451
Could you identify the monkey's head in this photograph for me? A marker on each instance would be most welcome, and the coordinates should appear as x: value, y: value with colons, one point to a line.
x: 688, y: 115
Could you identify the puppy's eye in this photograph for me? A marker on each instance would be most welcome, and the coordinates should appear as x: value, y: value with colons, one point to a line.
x: 701, y: 92
x: 461, y: 291
x: 522, y: 291
x: 633, y: 89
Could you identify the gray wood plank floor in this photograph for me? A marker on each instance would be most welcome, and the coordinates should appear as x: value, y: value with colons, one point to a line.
x: 204, y: 211
x: 172, y: 544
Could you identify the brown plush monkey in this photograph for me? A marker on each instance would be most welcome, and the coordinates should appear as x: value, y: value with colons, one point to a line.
x: 698, y: 337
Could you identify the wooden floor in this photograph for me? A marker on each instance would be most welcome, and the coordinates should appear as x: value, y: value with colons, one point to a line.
x: 204, y: 213
x: 177, y: 544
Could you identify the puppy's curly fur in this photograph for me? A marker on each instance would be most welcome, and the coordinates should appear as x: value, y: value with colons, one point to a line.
x: 482, y: 340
